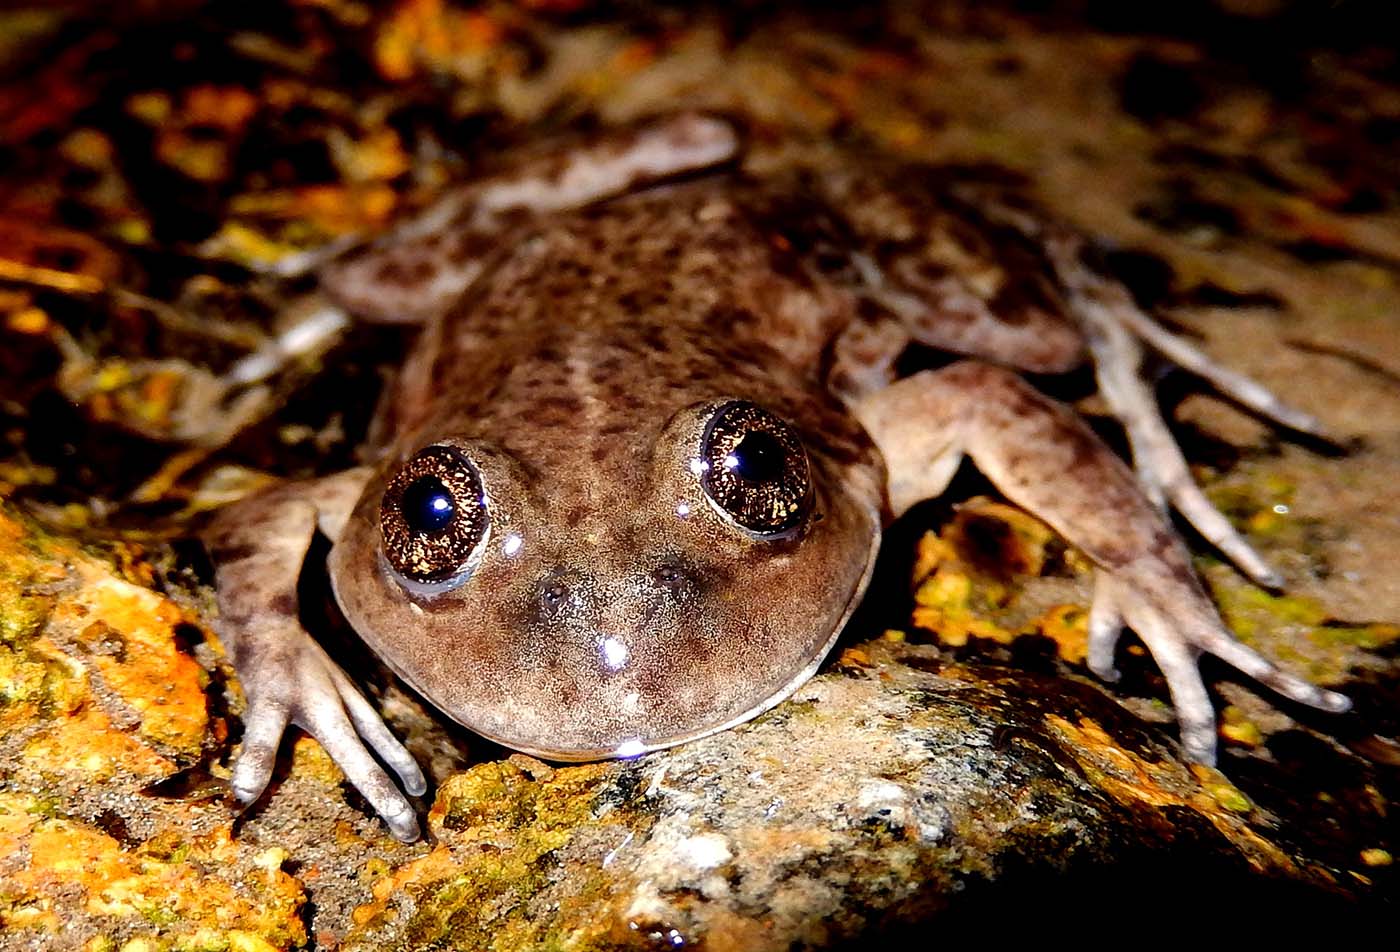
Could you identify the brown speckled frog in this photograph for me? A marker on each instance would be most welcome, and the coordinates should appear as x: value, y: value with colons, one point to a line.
x: 632, y: 479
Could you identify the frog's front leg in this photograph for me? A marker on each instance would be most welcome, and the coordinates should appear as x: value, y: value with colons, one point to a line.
x: 1045, y: 459
x: 428, y: 262
x: 258, y: 546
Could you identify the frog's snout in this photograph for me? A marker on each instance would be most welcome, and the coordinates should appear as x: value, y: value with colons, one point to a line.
x: 564, y: 593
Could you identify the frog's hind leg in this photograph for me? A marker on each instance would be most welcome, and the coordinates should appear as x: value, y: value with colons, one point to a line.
x: 1044, y: 458
x: 1116, y: 329
x: 953, y: 278
x: 428, y: 262
x: 941, y: 312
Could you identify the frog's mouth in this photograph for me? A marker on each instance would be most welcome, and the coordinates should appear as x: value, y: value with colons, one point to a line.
x: 633, y: 747
x: 521, y: 720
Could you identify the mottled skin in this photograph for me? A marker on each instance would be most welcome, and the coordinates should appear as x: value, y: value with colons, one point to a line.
x: 579, y: 333
x: 592, y: 486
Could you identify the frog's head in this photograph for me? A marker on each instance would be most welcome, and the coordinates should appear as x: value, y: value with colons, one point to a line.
x: 590, y: 603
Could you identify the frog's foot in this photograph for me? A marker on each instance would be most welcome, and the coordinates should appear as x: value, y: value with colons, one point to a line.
x: 1043, y: 457
x: 295, y: 682
x: 258, y: 545
x: 1176, y: 633
x: 1116, y: 329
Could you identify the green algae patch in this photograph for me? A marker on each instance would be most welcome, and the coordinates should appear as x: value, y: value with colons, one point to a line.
x: 1295, y: 629
x: 506, y: 840
x: 1241, y: 503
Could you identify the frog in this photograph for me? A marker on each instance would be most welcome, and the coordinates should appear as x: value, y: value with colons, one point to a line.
x: 630, y: 482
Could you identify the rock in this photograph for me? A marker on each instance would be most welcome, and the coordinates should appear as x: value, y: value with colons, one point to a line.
x: 874, y: 800
x: 959, y: 773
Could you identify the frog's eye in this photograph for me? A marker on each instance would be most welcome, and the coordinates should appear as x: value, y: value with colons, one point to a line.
x: 433, y: 516
x: 755, y: 470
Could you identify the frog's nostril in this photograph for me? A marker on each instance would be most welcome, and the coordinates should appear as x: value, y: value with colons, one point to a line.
x: 557, y: 588
x: 554, y: 593
x: 671, y: 576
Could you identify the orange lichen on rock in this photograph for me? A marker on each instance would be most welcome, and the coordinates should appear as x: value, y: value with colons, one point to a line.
x: 201, y: 892
x: 85, y: 747
x: 964, y: 578
x: 127, y: 635
x: 1140, y: 783
x: 99, y: 700
x: 91, y: 667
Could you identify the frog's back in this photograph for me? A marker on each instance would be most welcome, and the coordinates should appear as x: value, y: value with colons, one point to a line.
x: 592, y: 320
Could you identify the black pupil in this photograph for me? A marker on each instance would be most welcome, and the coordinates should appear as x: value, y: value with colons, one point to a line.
x: 427, y: 506
x: 757, y: 458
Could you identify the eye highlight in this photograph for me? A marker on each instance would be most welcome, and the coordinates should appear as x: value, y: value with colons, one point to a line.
x: 755, y: 469
x: 433, y: 516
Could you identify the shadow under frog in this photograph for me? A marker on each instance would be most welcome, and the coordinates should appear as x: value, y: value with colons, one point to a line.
x: 630, y: 483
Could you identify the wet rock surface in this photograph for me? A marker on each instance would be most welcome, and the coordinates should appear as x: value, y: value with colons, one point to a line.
x: 885, y: 794
x: 954, y: 767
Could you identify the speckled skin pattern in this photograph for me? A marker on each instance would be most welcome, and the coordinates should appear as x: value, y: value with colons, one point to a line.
x: 582, y: 322
x: 593, y: 485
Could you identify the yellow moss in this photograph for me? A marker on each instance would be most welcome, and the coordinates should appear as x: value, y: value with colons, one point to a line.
x: 854, y: 658
x: 961, y: 578
x: 1068, y: 627
x: 1002, y: 540
x: 1221, y: 790
x: 1236, y: 725
x: 309, y: 759
x: 240, y: 941
x: 495, y: 826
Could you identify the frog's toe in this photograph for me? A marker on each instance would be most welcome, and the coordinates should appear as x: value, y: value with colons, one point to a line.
x: 263, y: 727
x: 1191, y: 502
x: 1115, y: 329
x: 327, y: 720
x: 1236, y: 386
x: 1176, y: 657
x: 1161, y: 467
x: 1221, y: 644
x: 371, y: 728
x: 1105, y: 628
